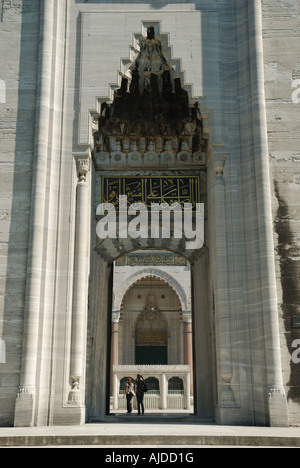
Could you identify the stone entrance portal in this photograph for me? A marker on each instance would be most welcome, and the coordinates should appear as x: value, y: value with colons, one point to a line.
x: 153, y: 138
x: 151, y: 145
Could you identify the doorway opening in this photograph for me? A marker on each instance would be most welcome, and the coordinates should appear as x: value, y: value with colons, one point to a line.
x: 117, y: 329
x: 151, y: 324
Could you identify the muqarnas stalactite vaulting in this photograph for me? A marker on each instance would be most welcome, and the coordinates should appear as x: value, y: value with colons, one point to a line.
x: 151, y: 111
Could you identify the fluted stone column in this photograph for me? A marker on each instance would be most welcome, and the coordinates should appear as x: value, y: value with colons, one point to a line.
x: 25, y: 402
x: 277, y: 403
x: 80, y: 285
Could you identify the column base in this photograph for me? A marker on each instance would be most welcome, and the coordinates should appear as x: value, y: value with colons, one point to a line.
x: 75, y: 398
x: 227, y: 397
x: 25, y: 406
x: 76, y: 413
x: 278, y: 409
x: 69, y: 416
x: 226, y: 416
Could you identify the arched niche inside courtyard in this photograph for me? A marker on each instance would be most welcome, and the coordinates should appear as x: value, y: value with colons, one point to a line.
x: 151, y: 324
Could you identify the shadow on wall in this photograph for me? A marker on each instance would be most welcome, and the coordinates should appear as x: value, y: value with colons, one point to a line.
x: 287, y: 249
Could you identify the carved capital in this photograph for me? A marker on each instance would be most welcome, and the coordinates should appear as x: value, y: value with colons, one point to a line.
x: 219, y: 173
x: 219, y: 160
x: 83, y: 162
x: 83, y: 165
x: 115, y: 316
x: 187, y: 316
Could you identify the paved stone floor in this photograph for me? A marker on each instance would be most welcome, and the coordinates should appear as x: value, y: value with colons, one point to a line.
x: 147, y: 434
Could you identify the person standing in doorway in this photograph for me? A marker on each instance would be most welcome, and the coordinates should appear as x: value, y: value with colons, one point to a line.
x: 129, y: 393
x: 141, y: 389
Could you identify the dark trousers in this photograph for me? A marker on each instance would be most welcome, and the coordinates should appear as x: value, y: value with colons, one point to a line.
x: 140, y: 398
x: 129, y: 405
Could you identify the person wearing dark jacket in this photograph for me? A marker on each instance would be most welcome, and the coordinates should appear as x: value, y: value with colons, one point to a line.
x: 141, y: 389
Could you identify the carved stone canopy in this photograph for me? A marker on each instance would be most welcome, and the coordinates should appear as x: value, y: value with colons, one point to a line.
x: 151, y: 112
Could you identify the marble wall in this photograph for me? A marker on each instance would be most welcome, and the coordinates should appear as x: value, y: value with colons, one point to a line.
x: 19, y: 31
x: 54, y: 84
x: 281, y: 23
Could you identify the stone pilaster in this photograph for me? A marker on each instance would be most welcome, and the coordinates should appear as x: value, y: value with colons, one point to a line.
x: 25, y: 402
x: 277, y: 403
x: 226, y: 397
x: 80, y: 285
